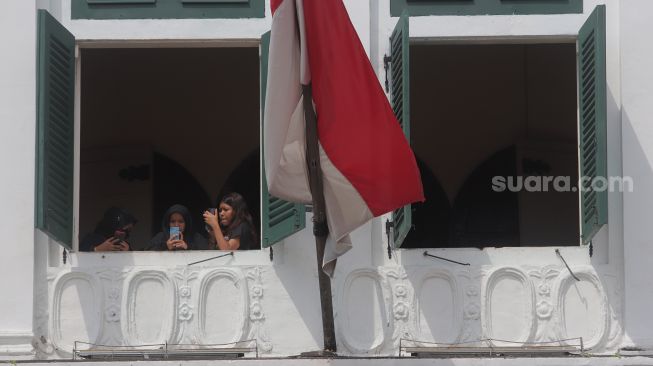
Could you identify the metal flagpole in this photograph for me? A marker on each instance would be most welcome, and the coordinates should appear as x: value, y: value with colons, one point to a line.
x: 320, y: 228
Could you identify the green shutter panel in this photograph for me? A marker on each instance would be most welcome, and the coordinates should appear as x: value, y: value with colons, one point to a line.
x: 280, y: 218
x: 400, y: 97
x: 593, y: 121
x: 55, y: 129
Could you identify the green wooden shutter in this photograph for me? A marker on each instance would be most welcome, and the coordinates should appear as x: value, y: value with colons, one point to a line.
x: 593, y: 121
x: 55, y: 129
x: 280, y: 218
x: 400, y: 97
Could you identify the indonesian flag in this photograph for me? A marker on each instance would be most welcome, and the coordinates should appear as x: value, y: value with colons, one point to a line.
x: 367, y: 164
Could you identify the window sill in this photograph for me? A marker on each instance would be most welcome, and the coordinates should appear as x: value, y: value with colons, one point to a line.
x: 505, y: 256
x: 168, y: 259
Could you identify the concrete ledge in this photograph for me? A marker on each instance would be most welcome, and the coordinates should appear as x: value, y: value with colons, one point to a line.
x: 16, y: 344
x: 577, y: 361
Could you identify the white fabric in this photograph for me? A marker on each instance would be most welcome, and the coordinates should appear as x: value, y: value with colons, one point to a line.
x: 285, y: 142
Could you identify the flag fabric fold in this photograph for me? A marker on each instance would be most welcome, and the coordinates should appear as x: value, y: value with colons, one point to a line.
x: 367, y: 164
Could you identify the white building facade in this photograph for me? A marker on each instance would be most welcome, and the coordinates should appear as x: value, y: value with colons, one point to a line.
x: 497, y: 61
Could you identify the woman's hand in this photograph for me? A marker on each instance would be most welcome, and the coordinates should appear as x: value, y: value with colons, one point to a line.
x: 110, y: 245
x: 177, y: 244
x: 211, y: 220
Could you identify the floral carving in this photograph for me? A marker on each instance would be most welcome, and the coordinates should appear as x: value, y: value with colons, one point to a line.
x: 401, y: 311
x: 544, y: 309
x: 471, y: 291
x: 472, y: 311
x: 544, y: 289
x: 114, y: 293
x: 401, y: 291
x: 256, y: 312
x: 185, y: 312
x: 184, y: 291
x: 257, y: 291
x: 112, y: 313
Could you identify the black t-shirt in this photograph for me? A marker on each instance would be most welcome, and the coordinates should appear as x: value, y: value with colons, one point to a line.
x: 244, y: 232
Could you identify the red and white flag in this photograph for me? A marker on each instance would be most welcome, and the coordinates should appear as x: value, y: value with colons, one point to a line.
x: 367, y: 164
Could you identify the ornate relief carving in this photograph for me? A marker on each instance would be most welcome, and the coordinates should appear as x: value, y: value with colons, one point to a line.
x: 512, y: 332
x: 112, y: 279
x: 593, y: 301
x: 369, y: 341
x: 545, y: 311
x: 402, y: 308
x: 87, y: 291
x: 149, y: 292
x: 471, y: 327
x: 184, y: 276
x: 258, y: 330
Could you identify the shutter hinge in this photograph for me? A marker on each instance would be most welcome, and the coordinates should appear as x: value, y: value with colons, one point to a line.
x: 297, y: 218
x: 389, y: 226
x: 386, y: 65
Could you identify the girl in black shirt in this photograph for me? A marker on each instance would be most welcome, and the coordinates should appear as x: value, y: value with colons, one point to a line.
x: 232, y: 227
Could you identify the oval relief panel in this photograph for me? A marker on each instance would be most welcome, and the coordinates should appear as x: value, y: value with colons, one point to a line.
x: 509, y: 309
x: 149, y: 308
x: 583, y: 309
x: 439, y: 312
x: 365, y: 315
x: 223, y: 307
x: 76, y: 313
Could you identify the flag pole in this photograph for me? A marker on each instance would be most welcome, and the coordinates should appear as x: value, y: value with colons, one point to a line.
x: 320, y: 228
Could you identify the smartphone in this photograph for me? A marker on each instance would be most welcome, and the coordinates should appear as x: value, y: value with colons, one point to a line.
x: 120, y: 235
x: 213, y: 211
x: 175, y: 233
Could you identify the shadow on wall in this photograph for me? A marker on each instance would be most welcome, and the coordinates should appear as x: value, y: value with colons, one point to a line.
x: 245, y: 180
x: 479, y: 215
x: 174, y: 184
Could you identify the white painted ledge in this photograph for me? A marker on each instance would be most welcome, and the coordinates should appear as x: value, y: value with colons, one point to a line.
x: 14, y: 344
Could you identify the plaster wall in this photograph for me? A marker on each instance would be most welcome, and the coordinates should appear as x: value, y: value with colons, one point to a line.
x: 521, y: 294
x: 17, y: 153
x: 637, y: 99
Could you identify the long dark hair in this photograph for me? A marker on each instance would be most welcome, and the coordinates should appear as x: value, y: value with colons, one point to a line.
x: 241, y: 213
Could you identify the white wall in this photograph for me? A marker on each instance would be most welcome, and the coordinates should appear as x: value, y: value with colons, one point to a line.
x: 637, y: 98
x: 397, y: 288
x: 17, y: 154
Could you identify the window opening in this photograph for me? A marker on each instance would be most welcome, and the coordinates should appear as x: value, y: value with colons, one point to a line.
x: 484, y: 111
x: 167, y: 125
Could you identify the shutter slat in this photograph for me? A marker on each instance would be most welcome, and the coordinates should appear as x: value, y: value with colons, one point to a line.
x: 593, y: 121
x: 54, y: 174
x: 280, y: 218
x: 400, y: 100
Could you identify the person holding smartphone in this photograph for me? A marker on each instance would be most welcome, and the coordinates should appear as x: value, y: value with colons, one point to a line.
x: 111, y: 233
x: 232, y: 227
x: 177, y: 233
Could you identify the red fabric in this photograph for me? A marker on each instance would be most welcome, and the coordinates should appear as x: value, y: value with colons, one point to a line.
x: 356, y: 125
x: 274, y: 4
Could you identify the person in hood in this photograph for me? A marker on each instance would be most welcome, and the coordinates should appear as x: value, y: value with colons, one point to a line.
x: 111, y: 233
x: 188, y: 239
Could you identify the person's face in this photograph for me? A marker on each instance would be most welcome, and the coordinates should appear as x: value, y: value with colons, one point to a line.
x: 126, y: 230
x: 226, y: 214
x: 176, y: 219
